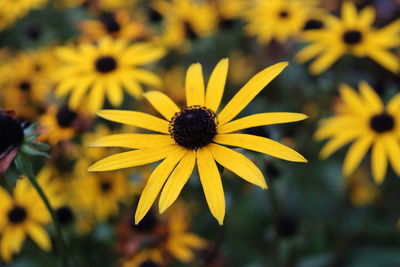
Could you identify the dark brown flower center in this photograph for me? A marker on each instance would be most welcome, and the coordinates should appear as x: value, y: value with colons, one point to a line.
x: 154, y: 15
x: 110, y: 23
x: 313, y: 24
x: 283, y: 14
x: 382, y: 123
x: 17, y: 215
x: 105, y: 64
x: 194, y: 127
x: 149, y: 263
x: 105, y: 186
x: 25, y: 86
x: 65, y: 117
x: 352, y: 37
x: 65, y: 215
x: 190, y: 33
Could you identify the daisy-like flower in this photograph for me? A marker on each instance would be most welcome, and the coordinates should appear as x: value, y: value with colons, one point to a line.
x: 21, y: 215
x: 351, y: 34
x: 196, y: 133
x: 103, y: 70
x: 364, y: 119
x: 118, y: 24
x: 276, y: 19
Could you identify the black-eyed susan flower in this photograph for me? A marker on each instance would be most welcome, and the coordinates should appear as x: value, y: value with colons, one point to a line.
x: 353, y: 34
x: 196, y: 133
x: 364, y: 119
x: 104, y: 70
x: 58, y: 124
x: 118, y: 24
x: 276, y: 19
x: 22, y: 214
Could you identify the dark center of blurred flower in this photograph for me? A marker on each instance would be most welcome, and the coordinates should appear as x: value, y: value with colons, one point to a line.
x: 17, y: 215
x: 313, y: 24
x: 105, y: 64
x: 382, y: 123
x: 284, y: 14
x: 190, y: 33
x: 38, y: 68
x: 25, y: 86
x: 193, y: 127
x: 11, y: 134
x: 352, y: 37
x: 154, y: 16
x: 148, y: 223
x: 149, y: 263
x: 33, y: 31
x: 226, y: 24
x: 65, y: 117
x: 110, y: 23
x: 105, y: 186
x: 65, y: 215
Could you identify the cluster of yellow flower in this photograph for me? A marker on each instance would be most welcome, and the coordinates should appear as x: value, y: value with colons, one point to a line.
x: 117, y: 55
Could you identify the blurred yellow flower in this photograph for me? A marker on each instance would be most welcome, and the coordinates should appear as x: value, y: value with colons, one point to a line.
x: 105, y: 70
x: 363, y: 118
x: 351, y: 34
x: 191, y: 134
x: 21, y: 215
x: 11, y: 10
x: 276, y: 19
x: 361, y: 190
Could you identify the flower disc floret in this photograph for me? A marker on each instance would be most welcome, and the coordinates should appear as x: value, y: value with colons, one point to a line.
x: 382, y: 123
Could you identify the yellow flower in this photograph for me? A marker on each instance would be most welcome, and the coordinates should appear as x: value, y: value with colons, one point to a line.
x: 352, y: 34
x: 193, y: 133
x: 361, y: 190
x: 10, y: 10
x: 104, y: 70
x: 363, y: 118
x: 119, y: 25
x: 99, y: 195
x: 276, y: 19
x: 184, y: 20
x: 20, y: 215
x: 112, y: 5
x: 57, y: 125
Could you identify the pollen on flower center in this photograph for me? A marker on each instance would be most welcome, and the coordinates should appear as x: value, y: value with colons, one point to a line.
x: 17, y: 215
x: 194, y: 127
x: 382, y: 123
x: 105, y: 64
x: 65, y: 117
x: 110, y: 23
x: 352, y: 37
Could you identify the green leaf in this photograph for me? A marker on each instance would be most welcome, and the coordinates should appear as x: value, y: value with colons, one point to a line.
x: 40, y: 145
x: 31, y: 151
x: 24, y: 165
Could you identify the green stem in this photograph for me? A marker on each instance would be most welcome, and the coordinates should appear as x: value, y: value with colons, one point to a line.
x: 60, y: 240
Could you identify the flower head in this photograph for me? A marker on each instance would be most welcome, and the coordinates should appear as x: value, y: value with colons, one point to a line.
x: 194, y: 134
x: 363, y: 118
x: 351, y: 34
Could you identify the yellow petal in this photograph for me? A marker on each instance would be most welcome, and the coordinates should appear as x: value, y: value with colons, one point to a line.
x: 96, y: 97
x: 260, y: 119
x: 212, y: 185
x: 40, y: 236
x: 385, y: 58
x: 352, y: 99
x: 78, y: 92
x: 177, y: 180
x: 309, y: 52
x: 162, y: 103
x: 216, y: 85
x: 356, y: 153
x: 249, y: 91
x: 193, y: 241
x: 132, y: 158
x: 143, y: 53
x: 371, y: 97
x: 194, y: 86
x: 367, y: 16
x: 238, y: 164
x: 393, y: 150
x: 349, y: 13
x: 146, y: 77
x: 339, y: 141
x: 135, y: 118
x: 394, y: 104
x: 260, y: 144
x: 155, y: 183
x: 114, y: 93
x: 325, y: 60
x: 378, y: 161
x: 134, y: 141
